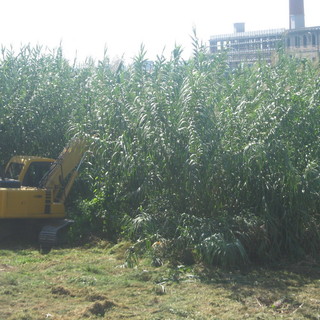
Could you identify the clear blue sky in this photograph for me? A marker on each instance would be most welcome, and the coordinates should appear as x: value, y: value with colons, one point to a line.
x: 86, y: 27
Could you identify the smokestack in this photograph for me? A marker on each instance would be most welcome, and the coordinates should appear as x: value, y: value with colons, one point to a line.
x: 296, y: 8
x: 239, y: 27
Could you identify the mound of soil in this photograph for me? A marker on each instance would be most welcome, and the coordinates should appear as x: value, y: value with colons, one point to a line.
x: 61, y: 291
x: 99, y: 308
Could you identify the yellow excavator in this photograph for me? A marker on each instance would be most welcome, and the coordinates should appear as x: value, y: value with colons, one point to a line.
x: 33, y: 191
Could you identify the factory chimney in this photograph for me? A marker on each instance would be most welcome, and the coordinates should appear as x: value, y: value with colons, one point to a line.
x: 296, y: 8
x: 239, y: 27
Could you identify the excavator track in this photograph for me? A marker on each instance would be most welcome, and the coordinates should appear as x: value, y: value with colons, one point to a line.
x: 51, y: 234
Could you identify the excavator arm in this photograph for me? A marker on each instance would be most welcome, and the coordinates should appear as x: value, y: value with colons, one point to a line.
x: 64, y: 170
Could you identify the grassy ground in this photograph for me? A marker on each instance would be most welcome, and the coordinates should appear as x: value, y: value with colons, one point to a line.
x: 94, y: 283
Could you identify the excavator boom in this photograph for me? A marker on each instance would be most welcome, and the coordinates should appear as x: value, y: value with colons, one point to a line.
x: 63, y: 171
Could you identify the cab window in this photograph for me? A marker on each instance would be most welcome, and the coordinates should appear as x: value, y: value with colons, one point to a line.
x: 35, y: 173
x: 13, y: 170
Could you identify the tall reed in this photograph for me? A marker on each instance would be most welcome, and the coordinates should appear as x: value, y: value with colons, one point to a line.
x: 222, y: 161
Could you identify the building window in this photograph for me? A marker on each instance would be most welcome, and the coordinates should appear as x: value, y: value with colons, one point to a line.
x: 297, y: 41
x: 314, y: 40
x: 288, y: 42
x: 305, y: 41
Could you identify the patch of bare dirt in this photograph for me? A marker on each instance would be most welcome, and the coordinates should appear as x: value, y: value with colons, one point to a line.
x: 5, y: 268
x: 95, y: 297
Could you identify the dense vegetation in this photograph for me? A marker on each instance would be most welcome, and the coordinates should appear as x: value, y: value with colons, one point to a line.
x: 215, y: 163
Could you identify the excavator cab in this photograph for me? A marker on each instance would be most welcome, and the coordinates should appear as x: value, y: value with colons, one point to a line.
x: 26, y: 171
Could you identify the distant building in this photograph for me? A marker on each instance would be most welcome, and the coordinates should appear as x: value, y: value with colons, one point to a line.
x: 248, y: 47
x: 303, y: 43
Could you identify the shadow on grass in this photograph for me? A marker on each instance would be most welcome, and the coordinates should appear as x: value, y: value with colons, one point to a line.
x: 282, y: 289
x: 22, y: 242
x: 268, y: 275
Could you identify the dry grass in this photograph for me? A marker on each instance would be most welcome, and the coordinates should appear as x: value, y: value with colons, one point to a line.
x: 92, y: 283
